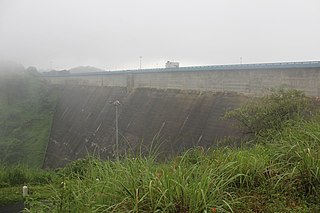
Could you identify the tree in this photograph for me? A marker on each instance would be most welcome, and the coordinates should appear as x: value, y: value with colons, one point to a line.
x: 271, y: 112
x: 32, y: 71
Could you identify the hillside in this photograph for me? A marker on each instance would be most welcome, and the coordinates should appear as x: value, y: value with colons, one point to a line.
x: 26, y: 110
x: 84, y: 69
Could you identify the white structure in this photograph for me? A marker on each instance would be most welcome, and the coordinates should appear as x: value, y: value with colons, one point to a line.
x: 24, y: 191
x: 171, y: 64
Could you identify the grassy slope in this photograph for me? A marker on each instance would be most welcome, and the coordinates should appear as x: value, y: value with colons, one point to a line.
x: 25, y: 120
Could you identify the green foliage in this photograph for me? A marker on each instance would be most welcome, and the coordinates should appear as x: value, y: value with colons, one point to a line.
x: 282, y: 176
x: 21, y: 175
x: 10, y: 195
x: 141, y: 185
x: 298, y: 145
x: 26, y: 112
x: 268, y: 114
x: 16, y: 176
x: 79, y: 168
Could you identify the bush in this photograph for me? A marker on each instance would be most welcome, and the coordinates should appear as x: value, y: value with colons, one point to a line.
x: 20, y: 175
x: 269, y: 114
x: 17, y: 176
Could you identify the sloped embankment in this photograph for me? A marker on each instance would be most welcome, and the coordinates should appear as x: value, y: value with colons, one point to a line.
x: 26, y: 110
x: 84, y: 121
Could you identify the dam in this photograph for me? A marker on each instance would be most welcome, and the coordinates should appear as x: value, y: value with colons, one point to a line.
x: 247, y: 79
x: 175, y: 108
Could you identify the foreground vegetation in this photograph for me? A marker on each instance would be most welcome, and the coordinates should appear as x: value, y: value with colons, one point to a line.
x: 282, y: 176
x: 12, y: 178
x: 277, y: 169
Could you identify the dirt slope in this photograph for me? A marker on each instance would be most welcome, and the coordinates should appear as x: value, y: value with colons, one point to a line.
x: 85, y: 121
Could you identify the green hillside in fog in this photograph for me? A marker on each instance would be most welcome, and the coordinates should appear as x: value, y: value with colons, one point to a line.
x: 26, y: 111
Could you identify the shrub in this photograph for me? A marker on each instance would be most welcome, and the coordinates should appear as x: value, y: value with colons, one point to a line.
x: 263, y: 116
x: 20, y: 175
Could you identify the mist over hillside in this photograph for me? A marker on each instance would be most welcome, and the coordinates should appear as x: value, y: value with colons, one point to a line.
x: 79, y: 69
x: 10, y: 67
x: 26, y: 110
x: 84, y: 69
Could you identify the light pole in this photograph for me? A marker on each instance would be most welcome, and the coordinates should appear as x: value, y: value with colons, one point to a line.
x: 117, y: 103
x: 140, y: 61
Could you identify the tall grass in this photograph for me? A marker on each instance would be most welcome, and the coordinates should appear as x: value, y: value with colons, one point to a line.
x: 19, y: 175
x: 280, y: 176
x: 299, y: 147
x: 142, y: 185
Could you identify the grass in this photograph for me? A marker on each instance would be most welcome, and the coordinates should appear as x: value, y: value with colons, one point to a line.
x: 20, y: 175
x: 282, y: 176
x: 274, y: 176
x: 12, y: 178
x: 10, y: 195
x: 25, y: 119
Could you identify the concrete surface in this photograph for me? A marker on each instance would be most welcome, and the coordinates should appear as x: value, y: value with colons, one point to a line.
x: 252, y: 80
x: 84, y: 121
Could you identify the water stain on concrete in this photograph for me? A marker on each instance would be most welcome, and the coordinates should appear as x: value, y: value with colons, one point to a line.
x: 84, y: 121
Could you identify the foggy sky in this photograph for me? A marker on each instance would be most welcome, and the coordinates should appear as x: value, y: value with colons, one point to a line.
x: 112, y: 34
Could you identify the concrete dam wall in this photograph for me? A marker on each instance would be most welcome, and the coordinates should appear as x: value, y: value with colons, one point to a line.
x: 180, y: 107
x: 84, y: 121
x: 248, y: 79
